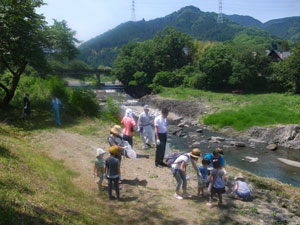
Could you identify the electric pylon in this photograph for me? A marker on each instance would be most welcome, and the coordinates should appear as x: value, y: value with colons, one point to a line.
x: 133, y: 10
x: 220, y: 15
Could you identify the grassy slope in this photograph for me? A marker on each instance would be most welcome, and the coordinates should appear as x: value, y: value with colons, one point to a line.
x: 243, y: 111
x: 35, y: 189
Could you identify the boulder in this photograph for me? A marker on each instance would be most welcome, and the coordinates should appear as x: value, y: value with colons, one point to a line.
x: 217, y: 138
x: 199, y: 130
x: 238, y: 144
x: 289, y: 162
x: 195, y: 144
x: 181, y: 124
x: 272, y: 147
x: 251, y: 159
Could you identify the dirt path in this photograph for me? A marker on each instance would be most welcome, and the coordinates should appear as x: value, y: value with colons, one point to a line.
x: 147, y: 191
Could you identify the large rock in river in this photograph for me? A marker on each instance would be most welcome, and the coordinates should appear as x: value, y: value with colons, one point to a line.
x: 287, y: 136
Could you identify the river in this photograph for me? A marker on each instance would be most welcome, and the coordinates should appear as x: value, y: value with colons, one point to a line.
x: 267, y: 165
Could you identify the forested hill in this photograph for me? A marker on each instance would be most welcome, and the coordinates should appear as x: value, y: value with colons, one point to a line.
x: 103, y: 49
x: 285, y: 28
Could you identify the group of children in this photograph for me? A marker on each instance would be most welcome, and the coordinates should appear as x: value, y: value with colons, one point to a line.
x: 215, y: 179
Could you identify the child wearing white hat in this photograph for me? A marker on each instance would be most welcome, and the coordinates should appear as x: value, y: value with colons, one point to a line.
x: 99, y: 167
x: 241, y: 188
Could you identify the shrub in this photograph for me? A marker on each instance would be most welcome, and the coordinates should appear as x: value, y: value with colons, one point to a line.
x: 196, y: 81
x: 168, y: 79
x: 84, y: 102
x: 76, y: 102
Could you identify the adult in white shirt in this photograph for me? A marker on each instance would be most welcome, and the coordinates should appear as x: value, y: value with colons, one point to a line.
x: 160, y: 125
x: 178, y: 169
x: 145, y: 123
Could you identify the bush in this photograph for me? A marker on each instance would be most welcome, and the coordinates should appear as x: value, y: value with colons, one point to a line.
x: 76, y: 102
x: 168, y: 79
x: 84, y: 102
x: 113, y: 110
x: 196, y: 81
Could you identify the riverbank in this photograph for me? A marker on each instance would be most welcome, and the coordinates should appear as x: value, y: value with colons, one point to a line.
x: 147, y: 191
x: 195, y: 109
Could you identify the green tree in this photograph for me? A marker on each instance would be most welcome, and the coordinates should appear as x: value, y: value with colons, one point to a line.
x: 286, y: 74
x: 173, y: 50
x: 293, y: 63
x: 250, y: 68
x: 26, y: 40
x: 215, y: 63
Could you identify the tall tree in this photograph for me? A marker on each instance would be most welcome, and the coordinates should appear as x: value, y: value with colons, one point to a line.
x: 25, y: 40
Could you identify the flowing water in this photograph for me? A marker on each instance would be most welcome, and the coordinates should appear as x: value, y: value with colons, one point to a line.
x: 267, y: 165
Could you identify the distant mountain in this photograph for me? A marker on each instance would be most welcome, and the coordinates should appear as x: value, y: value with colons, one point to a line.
x: 103, y: 49
x: 245, y: 20
x: 285, y: 28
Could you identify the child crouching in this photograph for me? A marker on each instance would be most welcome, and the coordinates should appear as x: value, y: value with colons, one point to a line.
x: 99, y: 167
x: 203, y: 176
x: 241, y: 188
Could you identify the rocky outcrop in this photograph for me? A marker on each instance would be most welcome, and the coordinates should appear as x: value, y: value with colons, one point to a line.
x: 287, y: 136
x: 185, y: 108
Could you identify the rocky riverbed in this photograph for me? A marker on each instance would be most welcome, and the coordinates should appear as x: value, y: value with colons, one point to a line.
x: 258, y: 150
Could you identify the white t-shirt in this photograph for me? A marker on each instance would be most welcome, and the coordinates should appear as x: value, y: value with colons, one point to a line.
x: 186, y: 158
x: 161, y: 123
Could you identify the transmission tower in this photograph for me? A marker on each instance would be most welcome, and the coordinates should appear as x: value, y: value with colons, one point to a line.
x: 220, y: 15
x: 133, y: 10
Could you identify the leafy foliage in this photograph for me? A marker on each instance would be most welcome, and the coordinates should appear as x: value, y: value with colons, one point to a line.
x: 26, y: 40
x: 138, y: 63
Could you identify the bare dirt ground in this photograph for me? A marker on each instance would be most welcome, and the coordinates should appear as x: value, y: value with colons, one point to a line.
x: 147, y: 191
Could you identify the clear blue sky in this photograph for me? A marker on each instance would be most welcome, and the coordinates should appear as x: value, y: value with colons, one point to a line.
x: 90, y: 18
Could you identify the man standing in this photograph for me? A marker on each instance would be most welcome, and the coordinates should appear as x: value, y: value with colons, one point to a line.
x: 26, y: 108
x: 145, y: 127
x: 56, y: 103
x: 160, y: 124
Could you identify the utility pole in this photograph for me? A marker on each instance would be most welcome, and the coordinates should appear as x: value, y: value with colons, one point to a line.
x: 220, y: 15
x: 133, y: 10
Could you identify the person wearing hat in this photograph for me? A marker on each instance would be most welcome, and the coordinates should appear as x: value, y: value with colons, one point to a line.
x: 216, y: 155
x: 161, y: 129
x: 241, y: 188
x: 116, y: 139
x: 99, y: 167
x: 145, y: 123
x: 178, y: 169
x: 113, y: 172
x: 129, y: 124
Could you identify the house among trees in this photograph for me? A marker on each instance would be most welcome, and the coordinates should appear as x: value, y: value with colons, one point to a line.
x: 277, y: 56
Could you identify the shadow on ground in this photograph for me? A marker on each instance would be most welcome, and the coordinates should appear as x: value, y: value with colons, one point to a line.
x: 135, y: 182
x: 39, y: 120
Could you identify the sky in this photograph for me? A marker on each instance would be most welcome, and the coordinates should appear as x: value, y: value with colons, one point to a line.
x: 90, y: 18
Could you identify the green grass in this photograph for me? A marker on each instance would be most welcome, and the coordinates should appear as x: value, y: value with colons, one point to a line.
x: 243, y: 111
x: 253, y: 115
x: 35, y: 189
